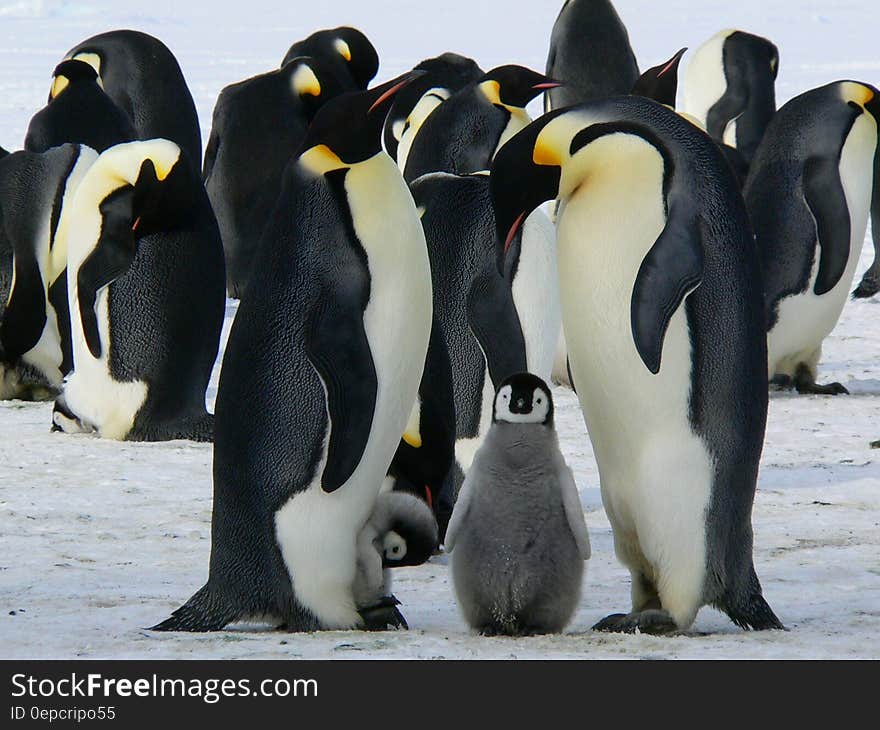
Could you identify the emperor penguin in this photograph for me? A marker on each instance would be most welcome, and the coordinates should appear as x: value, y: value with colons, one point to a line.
x: 660, y: 82
x: 729, y: 88
x: 319, y: 377
x: 35, y: 192
x: 463, y: 134
x: 590, y: 52
x: 663, y: 320
x: 258, y: 124
x: 78, y: 111
x: 145, y: 291
x: 517, y: 540
x: 444, y: 75
x: 141, y: 74
x: 811, y: 185
x: 400, y: 532
x: 345, y: 50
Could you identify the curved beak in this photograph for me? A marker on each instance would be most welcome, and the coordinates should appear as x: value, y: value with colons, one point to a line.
x: 385, y: 92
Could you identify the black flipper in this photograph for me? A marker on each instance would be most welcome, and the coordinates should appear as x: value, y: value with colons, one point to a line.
x: 672, y: 269
x: 870, y: 283
x: 337, y: 346
x: 492, y: 318
x: 109, y: 260
x: 25, y: 315
x: 826, y: 199
x: 205, y: 611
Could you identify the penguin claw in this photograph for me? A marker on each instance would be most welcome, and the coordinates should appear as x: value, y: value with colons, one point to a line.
x: 650, y: 621
x: 384, y: 615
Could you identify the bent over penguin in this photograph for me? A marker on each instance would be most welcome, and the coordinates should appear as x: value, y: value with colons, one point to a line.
x: 664, y: 325
x: 319, y: 378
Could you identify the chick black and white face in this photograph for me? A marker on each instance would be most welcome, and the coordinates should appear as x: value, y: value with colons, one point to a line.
x: 523, y: 398
x: 393, y: 547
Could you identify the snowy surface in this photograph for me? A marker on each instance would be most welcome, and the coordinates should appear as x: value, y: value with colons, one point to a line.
x: 99, y: 539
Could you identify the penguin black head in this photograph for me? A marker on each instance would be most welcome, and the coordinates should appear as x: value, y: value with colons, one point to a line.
x: 163, y: 199
x: 346, y: 43
x: 348, y: 129
x: 660, y: 83
x: 515, y: 86
x: 412, y: 534
x: 72, y: 72
x: 523, y: 398
x: 312, y: 82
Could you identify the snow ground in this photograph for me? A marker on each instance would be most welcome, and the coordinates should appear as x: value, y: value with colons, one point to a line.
x: 99, y: 539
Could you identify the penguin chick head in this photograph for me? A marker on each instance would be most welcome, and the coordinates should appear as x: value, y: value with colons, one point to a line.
x: 312, y: 83
x: 515, y: 86
x: 347, y: 130
x: 523, y: 398
x: 72, y: 72
x: 660, y: 83
x: 412, y: 535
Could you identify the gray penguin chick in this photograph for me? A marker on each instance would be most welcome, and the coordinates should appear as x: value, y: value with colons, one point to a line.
x: 517, y: 537
x: 401, y: 530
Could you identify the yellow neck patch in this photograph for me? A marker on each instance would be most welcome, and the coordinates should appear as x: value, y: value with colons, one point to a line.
x: 546, y: 153
x: 858, y: 93
x: 58, y: 85
x: 492, y: 91
x: 305, y: 82
x: 342, y: 49
x: 320, y: 160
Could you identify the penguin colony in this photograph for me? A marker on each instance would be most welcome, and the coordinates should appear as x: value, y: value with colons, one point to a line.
x: 404, y: 301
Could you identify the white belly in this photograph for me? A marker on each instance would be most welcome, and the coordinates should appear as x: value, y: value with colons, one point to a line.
x: 421, y: 111
x: 317, y: 531
x: 518, y: 121
x: 804, y: 320
x: 704, y: 81
x: 655, y: 472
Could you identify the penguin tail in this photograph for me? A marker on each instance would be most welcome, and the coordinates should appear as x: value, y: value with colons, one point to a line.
x: 751, y: 610
x: 205, y: 611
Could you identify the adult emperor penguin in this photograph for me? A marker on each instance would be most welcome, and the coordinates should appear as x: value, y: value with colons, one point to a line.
x: 463, y: 134
x: 145, y: 290
x: 35, y: 192
x: 662, y: 320
x: 590, y: 52
x: 400, y: 532
x: 499, y: 319
x: 319, y: 377
x: 517, y: 539
x: 730, y: 88
x: 78, y: 111
x: 444, y: 75
x: 810, y: 188
x: 141, y: 74
x: 345, y: 50
x: 258, y: 124
x: 660, y: 82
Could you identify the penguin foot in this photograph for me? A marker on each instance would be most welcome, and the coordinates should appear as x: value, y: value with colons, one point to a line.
x: 383, y: 616
x: 782, y: 382
x: 816, y: 389
x: 650, y: 621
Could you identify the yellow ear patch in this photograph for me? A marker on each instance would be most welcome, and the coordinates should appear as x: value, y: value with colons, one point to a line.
x: 414, y: 440
x: 342, y: 49
x: 320, y: 160
x: 305, y: 82
x: 546, y: 154
x: 58, y: 85
x: 412, y: 433
x: 857, y: 92
x: 492, y: 91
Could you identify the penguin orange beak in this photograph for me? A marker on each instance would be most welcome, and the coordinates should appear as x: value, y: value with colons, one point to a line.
x: 511, y: 234
x: 394, y: 86
x: 544, y: 85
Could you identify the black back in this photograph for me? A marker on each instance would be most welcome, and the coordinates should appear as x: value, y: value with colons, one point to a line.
x: 354, y: 73
x: 448, y: 71
x: 258, y: 125
x: 750, y: 67
x: 142, y: 76
x: 795, y: 197
x: 82, y: 113
x: 590, y: 53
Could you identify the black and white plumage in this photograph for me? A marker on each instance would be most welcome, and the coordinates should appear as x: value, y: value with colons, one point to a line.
x: 346, y: 51
x: 257, y: 125
x: 517, y: 539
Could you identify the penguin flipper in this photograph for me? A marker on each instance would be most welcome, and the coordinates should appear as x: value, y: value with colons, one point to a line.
x: 731, y: 105
x: 492, y: 317
x: 337, y: 347
x: 25, y: 314
x: 205, y: 611
x: 670, y: 271
x: 574, y: 513
x: 460, y: 510
x: 826, y: 199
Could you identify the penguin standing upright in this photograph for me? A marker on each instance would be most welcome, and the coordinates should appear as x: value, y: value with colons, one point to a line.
x: 661, y: 305
x: 258, y: 124
x: 145, y: 290
x: 590, y: 52
x: 346, y: 51
x: 78, y: 111
x: 730, y: 88
x: 444, y: 75
x: 35, y: 194
x: 463, y: 134
x: 811, y: 185
x: 517, y: 539
x: 320, y: 373
x: 142, y: 76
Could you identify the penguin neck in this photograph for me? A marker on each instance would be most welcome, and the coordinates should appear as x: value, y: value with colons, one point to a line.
x: 522, y: 441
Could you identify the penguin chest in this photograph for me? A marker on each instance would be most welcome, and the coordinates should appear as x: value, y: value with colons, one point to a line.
x: 429, y: 101
x: 706, y: 82
x: 805, y: 319
x: 638, y: 422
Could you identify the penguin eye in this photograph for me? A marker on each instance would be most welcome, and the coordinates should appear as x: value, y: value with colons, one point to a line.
x: 395, y: 549
x: 539, y: 401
